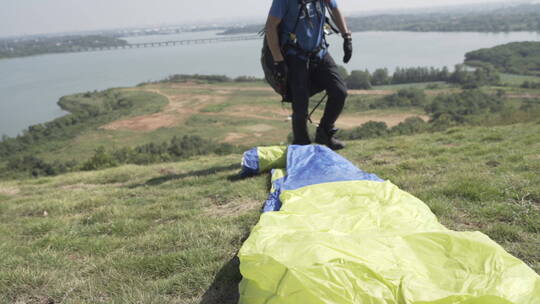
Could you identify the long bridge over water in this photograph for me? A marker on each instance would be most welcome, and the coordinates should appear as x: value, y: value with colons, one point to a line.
x: 172, y: 43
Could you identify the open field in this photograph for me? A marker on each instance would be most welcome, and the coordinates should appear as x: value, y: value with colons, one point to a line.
x: 168, y: 233
x: 242, y: 114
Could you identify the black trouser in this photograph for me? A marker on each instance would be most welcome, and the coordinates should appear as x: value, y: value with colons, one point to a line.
x: 307, y: 77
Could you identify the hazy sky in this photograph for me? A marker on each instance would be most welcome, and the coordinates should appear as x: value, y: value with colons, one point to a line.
x: 43, y: 16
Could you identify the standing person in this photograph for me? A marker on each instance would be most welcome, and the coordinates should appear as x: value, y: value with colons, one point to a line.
x: 295, y: 36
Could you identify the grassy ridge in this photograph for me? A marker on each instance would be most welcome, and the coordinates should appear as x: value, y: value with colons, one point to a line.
x: 88, y: 111
x: 168, y: 233
x: 515, y: 58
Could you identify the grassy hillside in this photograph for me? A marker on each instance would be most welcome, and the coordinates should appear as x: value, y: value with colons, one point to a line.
x: 147, y: 117
x: 168, y: 233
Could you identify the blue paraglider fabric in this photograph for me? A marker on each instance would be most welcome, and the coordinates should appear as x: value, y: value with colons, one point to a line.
x: 250, y: 163
x: 311, y: 165
x: 273, y: 203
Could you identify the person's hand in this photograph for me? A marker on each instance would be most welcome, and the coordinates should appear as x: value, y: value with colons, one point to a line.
x: 347, y: 47
x: 280, y: 70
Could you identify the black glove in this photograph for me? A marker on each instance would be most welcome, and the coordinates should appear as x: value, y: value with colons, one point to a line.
x: 347, y: 48
x: 280, y: 70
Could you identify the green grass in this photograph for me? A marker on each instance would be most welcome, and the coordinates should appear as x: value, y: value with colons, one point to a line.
x: 517, y: 80
x: 168, y: 233
x: 216, y: 108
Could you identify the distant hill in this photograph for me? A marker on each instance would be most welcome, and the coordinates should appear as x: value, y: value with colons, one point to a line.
x: 523, y: 17
x: 518, y: 18
x: 516, y: 58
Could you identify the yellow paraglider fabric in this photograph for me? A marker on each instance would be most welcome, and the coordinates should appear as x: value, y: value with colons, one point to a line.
x: 367, y: 241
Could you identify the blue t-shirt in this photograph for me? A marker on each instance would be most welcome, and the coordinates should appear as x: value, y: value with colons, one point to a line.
x: 310, y: 29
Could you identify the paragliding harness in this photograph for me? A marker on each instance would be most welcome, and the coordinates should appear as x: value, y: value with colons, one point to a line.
x: 267, y: 60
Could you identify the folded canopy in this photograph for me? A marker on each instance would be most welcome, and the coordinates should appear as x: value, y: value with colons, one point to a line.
x: 332, y: 233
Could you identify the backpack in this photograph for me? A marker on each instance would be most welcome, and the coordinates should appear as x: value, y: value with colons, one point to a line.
x: 267, y: 60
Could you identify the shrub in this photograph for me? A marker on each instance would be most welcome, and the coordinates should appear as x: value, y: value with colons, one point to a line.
x: 370, y: 129
x: 36, y: 167
x: 457, y: 106
x: 411, y: 125
x: 100, y: 160
x: 403, y: 98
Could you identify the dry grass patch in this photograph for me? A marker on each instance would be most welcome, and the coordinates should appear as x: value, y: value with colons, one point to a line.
x: 234, y: 137
x: 234, y: 208
x: 260, y: 128
x: 391, y: 120
x: 9, y: 190
x: 179, y: 109
x: 257, y: 112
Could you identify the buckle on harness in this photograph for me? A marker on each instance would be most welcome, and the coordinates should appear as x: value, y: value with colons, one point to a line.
x: 292, y: 37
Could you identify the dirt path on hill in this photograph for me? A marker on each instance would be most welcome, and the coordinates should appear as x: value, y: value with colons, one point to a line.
x: 7, y: 190
x: 179, y: 109
x: 350, y: 121
x: 530, y: 96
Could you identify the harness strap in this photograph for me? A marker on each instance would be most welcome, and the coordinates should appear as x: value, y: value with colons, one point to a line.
x: 301, y: 7
x: 313, y: 111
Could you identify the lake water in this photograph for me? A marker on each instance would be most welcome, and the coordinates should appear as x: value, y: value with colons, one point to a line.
x: 31, y: 86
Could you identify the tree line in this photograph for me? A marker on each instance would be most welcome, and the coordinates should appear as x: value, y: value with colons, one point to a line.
x: 364, y: 80
x: 182, y: 78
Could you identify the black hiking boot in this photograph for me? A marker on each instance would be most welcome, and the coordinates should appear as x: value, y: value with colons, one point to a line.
x: 326, y: 137
x: 302, y: 142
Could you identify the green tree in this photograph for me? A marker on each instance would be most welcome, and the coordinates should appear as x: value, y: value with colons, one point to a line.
x: 380, y: 77
x: 100, y: 160
x: 359, y: 80
x: 343, y: 72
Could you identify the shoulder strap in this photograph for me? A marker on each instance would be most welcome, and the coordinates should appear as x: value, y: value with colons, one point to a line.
x: 330, y: 21
x: 301, y: 7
